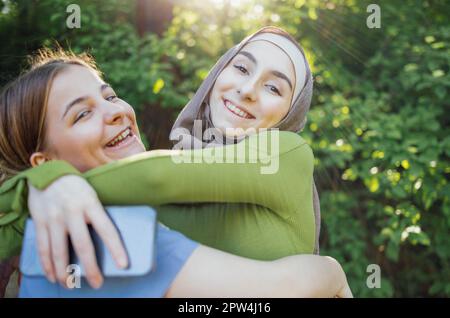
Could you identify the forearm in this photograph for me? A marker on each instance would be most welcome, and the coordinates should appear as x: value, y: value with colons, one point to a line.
x: 213, y: 273
x: 157, y: 180
x: 13, y: 202
x: 14, y: 192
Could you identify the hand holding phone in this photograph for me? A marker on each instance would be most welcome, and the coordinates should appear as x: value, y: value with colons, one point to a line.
x: 137, y: 228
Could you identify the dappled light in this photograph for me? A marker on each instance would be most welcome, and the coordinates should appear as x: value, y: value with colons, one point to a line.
x: 378, y: 123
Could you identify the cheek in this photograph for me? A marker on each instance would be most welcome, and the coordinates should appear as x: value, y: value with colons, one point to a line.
x: 273, y: 110
x: 86, y: 136
x: 77, y: 142
x: 83, y: 151
x: 225, y: 81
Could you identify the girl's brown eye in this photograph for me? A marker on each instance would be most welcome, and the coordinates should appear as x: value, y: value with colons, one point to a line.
x: 81, y: 115
x: 241, y: 69
x: 111, y: 98
x: 274, y: 89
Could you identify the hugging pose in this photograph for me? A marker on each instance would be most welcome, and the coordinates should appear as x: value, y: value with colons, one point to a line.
x: 69, y: 144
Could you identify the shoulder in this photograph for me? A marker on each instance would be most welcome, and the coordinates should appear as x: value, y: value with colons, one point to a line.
x: 284, y: 141
x: 289, y: 147
x: 290, y: 141
x: 297, y: 150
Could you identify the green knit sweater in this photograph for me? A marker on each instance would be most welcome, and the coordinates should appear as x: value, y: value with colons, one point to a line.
x: 230, y: 206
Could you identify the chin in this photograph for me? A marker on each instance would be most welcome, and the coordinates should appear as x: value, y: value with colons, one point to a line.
x: 134, y: 151
x: 128, y: 153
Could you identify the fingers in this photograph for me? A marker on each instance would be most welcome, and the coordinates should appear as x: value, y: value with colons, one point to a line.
x: 45, y: 254
x: 59, y: 210
x: 84, y: 248
x: 59, y: 249
x: 108, y: 233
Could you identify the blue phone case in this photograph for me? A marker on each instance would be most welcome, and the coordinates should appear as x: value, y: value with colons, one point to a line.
x: 137, y: 228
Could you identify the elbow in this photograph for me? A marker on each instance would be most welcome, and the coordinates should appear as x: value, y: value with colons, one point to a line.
x: 310, y: 276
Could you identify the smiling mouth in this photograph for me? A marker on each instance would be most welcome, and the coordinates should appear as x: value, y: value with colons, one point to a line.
x: 238, y: 111
x: 121, y: 138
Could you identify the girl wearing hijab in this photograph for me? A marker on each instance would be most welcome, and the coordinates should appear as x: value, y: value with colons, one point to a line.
x: 268, y: 75
x: 273, y: 214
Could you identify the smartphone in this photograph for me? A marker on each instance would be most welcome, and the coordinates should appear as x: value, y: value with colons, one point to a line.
x: 137, y: 228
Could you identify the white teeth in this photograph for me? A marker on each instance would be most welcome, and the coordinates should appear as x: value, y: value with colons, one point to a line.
x: 236, y: 110
x: 119, y: 138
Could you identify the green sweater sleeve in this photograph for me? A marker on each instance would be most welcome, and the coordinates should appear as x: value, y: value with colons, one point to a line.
x: 13, y: 202
x: 155, y: 178
x: 203, y: 175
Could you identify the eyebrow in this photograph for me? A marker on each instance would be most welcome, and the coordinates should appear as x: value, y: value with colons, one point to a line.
x: 276, y: 73
x: 82, y: 99
x: 249, y: 56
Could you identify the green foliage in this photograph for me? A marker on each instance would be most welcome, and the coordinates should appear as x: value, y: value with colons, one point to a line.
x: 378, y: 123
x: 380, y: 135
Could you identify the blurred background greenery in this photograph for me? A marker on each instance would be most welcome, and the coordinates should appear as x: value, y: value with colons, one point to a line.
x: 378, y: 123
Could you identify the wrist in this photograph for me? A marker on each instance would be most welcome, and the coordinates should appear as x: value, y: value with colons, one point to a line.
x: 44, y: 175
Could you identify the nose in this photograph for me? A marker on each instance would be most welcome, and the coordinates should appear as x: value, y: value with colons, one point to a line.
x: 247, y: 90
x: 114, y: 113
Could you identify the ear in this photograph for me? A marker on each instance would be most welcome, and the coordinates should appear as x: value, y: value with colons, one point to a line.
x: 38, y: 158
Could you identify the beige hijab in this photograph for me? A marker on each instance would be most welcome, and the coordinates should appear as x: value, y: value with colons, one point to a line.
x: 198, y: 107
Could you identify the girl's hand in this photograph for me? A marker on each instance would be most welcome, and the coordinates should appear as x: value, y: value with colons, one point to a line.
x: 65, y: 209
